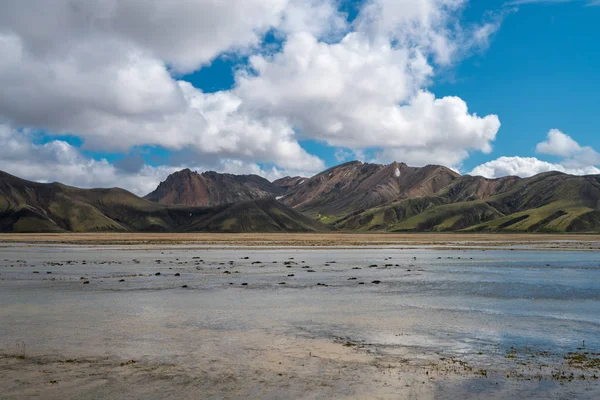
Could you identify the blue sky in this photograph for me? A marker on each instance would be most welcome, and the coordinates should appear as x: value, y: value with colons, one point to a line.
x: 291, y: 87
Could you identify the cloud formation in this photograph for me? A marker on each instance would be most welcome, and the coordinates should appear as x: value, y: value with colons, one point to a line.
x: 108, y: 72
x: 577, y: 159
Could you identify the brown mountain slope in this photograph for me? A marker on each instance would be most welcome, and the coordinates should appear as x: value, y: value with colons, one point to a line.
x: 289, y: 181
x: 36, y: 207
x: 357, y: 186
x: 211, y: 189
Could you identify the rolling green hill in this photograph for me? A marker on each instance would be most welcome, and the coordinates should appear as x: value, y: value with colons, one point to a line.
x: 549, y: 202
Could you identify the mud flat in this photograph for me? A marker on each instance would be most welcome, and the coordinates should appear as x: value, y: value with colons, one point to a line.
x: 444, y: 240
x: 207, y: 316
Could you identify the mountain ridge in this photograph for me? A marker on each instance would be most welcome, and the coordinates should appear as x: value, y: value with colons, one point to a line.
x: 27, y: 206
x: 353, y: 196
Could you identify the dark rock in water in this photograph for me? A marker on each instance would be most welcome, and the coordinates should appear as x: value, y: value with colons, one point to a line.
x: 178, y: 274
x: 356, y: 268
x: 352, y: 279
x: 245, y: 258
x: 361, y: 283
x: 226, y: 272
x: 310, y: 270
x: 48, y: 272
x: 282, y: 283
x: 184, y: 286
x: 121, y: 280
x: 157, y: 274
x: 376, y: 282
x: 244, y: 284
x: 86, y: 282
x: 291, y: 275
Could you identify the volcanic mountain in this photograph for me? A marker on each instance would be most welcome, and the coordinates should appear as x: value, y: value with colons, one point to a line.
x: 37, y: 207
x: 356, y: 186
x: 211, y: 189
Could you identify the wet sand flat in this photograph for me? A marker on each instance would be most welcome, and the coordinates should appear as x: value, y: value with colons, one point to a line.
x: 547, y: 241
x: 190, y: 319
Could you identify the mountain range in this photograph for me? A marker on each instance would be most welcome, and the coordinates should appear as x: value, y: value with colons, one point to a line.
x: 354, y: 196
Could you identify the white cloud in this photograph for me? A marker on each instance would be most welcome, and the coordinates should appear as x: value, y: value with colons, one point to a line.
x: 102, y: 70
x: 184, y: 33
x: 58, y: 161
x: 363, y: 94
x: 525, y: 167
x: 560, y: 144
x: 577, y: 160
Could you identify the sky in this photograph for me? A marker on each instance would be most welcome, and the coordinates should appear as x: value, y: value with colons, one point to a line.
x: 108, y: 93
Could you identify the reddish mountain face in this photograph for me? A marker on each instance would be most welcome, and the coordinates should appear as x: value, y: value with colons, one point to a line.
x: 290, y: 181
x: 211, y: 189
x: 356, y: 186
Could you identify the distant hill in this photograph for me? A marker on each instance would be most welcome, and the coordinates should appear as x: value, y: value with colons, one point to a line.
x: 211, y: 189
x: 36, y: 207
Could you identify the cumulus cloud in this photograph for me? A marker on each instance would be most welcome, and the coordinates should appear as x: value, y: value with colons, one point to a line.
x: 368, y: 90
x: 58, y: 161
x: 575, y: 155
x: 526, y: 167
x: 106, y: 71
x: 577, y: 159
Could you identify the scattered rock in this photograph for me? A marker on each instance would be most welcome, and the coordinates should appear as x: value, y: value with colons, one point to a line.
x: 376, y: 282
x: 244, y: 284
x: 178, y: 274
x: 184, y: 286
x: 86, y: 282
x: 121, y: 280
x: 157, y: 274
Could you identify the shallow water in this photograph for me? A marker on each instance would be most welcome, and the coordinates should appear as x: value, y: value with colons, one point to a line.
x: 474, y: 305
